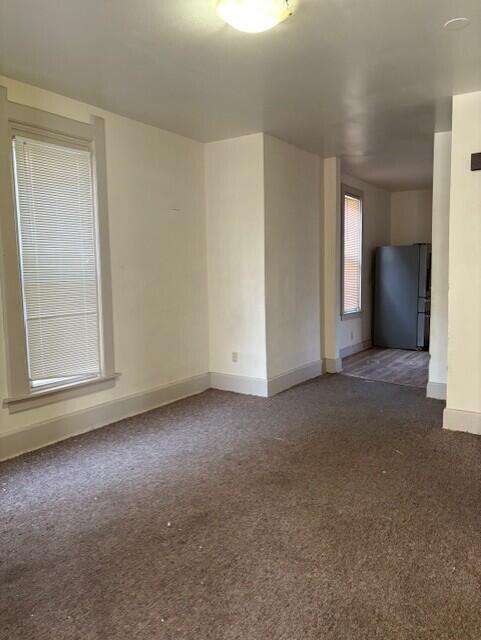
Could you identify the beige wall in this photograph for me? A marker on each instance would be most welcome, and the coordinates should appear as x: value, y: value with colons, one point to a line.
x: 438, y: 347
x: 464, y: 298
x: 262, y: 199
x: 331, y: 261
x: 234, y: 174
x: 292, y: 202
x: 411, y: 215
x: 376, y: 233
x: 158, y: 256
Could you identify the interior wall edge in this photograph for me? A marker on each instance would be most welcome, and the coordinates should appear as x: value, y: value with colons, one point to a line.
x: 458, y: 420
x: 246, y: 385
x: 333, y: 365
x: 436, y: 390
x: 355, y: 348
x: 289, y: 379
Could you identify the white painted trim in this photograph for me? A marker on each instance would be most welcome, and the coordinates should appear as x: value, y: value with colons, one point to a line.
x: 457, y: 420
x: 355, y: 348
x: 333, y: 365
x: 14, y: 443
x: 436, y: 390
x: 62, y: 392
x: 239, y: 384
x: 290, y: 378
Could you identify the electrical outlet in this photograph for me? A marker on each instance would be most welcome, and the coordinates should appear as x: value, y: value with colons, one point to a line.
x: 235, y: 356
x: 352, y: 336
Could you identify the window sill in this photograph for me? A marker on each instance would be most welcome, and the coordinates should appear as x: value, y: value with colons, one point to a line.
x: 46, y: 396
x: 351, y: 316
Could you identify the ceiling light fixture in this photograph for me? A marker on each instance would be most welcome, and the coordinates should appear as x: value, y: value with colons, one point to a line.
x: 456, y: 24
x: 254, y: 16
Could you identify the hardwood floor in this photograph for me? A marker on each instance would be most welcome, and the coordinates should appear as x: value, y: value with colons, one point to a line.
x: 396, y: 366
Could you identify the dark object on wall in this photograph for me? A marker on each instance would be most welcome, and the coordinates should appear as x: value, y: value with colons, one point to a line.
x: 475, y: 161
x: 402, y: 297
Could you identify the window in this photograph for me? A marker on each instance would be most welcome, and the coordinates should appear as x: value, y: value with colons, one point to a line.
x: 351, y: 252
x: 56, y: 256
x: 58, y: 260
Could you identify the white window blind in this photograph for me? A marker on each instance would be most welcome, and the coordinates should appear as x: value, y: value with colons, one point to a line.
x: 57, y: 237
x: 352, y: 267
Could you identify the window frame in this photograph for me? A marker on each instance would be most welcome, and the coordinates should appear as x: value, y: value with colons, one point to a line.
x: 42, y: 125
x: 359, y: 195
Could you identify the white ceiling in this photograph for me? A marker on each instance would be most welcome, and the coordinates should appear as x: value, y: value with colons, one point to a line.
x: 368, y: 80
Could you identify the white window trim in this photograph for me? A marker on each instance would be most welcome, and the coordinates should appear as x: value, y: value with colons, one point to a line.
x: 355, y: 193
x: 36, y: 123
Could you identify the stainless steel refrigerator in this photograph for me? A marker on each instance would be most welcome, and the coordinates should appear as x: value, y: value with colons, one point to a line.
x: 402, y: 297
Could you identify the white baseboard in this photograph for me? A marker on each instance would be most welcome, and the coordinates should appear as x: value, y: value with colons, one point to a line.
x: 333, y: 365
x: 239, y: 384
x: 290, y: 378
x: 436, y: 390
x: 457, y: 420
x: 40, y: 435
x: 355, y: 348
x: 14, y: 443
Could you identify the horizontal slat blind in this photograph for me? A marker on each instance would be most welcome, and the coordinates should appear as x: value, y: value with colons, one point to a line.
x: 58, y: 254
x: 352, y: 254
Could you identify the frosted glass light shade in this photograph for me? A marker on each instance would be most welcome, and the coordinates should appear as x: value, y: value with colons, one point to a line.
x: 254, y: 16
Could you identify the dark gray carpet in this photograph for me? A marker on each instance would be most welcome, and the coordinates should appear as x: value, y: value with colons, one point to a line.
x: 336, y: 510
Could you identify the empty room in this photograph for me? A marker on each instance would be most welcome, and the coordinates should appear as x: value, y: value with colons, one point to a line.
x: 240, y: 325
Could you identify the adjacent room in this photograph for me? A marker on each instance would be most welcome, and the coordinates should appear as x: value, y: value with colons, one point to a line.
x: 239, y: 378
x: 396, y: 278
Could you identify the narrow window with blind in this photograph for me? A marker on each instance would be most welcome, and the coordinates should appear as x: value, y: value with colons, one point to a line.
x: 57, y: 243
x: 56, y: 285
x: 351, y: 253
